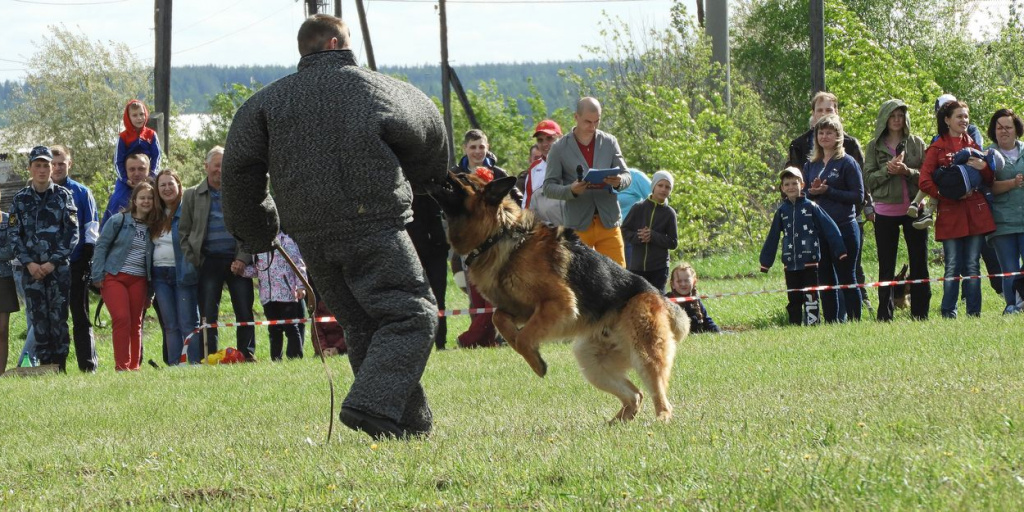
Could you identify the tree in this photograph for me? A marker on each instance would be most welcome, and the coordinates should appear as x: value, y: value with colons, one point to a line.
x: 74, y: 94
x: 662, y: 99
x: 867, y: 60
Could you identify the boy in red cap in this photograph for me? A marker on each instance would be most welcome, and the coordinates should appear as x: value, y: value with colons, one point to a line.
x: 547, y: 209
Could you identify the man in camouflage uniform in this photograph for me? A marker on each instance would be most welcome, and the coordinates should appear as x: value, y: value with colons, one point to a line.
x: 43, y: 230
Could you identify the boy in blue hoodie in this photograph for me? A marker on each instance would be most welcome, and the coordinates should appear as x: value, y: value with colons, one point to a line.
x: 800, y: 223
x: 135, y: 138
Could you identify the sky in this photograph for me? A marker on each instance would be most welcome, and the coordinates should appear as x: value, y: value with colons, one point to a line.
x: 404, y: 32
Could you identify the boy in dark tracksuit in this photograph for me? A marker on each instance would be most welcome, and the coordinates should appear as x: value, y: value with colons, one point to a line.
x: 800, y: 223
x: 650, y: 229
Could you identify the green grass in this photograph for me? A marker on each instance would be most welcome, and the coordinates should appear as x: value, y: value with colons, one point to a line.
x: 924, y: 415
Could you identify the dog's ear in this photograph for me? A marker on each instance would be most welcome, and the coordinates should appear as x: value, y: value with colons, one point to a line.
x: 496, y: 190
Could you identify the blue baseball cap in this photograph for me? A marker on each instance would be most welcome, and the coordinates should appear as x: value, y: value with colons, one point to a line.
x: 40, y: 152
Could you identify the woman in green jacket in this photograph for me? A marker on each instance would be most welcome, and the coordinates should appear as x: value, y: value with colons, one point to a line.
x: 1006, y: 128
x: 891, y: 169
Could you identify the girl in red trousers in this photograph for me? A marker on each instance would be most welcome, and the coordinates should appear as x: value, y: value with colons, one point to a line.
x: 121, y: 268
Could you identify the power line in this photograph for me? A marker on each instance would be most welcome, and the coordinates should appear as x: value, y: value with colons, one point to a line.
x: 257, y: 22
x: 206, y: 18
x: 497, y: 2
x: 14, y: 61
x: 72, y: 3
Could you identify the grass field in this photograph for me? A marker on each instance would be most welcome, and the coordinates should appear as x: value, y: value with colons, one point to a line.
x: 924, y: 415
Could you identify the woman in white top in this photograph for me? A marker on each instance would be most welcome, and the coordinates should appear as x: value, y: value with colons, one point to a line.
x: 174, y: 278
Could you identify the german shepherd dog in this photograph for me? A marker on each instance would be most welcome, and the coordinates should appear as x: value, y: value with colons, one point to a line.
x: 546, y: 285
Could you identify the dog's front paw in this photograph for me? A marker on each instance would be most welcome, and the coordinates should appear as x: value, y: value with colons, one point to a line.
x: 540, y: 367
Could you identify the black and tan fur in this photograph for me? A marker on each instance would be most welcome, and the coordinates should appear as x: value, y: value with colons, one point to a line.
x: 547, y: 285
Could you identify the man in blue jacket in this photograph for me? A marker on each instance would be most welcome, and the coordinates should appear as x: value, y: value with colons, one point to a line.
x: 81, y: 256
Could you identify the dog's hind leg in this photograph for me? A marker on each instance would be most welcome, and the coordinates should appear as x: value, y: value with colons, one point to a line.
x: 604, y: 366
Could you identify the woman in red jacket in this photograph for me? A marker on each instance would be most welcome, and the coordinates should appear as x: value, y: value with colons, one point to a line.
x: 962, y: 222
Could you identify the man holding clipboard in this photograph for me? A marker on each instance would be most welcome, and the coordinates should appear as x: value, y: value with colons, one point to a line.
x: 591, y: 205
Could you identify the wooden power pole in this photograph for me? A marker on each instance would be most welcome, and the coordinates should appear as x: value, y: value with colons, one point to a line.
x: 446, y: 91
x: 817, y: 28
x: 372, y: 62
x: 162, y: 71
x: 717, y: 26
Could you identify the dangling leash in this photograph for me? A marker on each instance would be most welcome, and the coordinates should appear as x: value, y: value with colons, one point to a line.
x: 316, y: 340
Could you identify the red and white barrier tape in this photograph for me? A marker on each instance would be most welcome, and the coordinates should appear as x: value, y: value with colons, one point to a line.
x: 481, y: 311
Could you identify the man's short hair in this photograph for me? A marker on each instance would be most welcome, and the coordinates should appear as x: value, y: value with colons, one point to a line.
x: 824, y: 95
x: 587, y: 104
x: 216, y: 150
x: 474, y: 134
x: 318, y: 29
x: 60, y: 149
x: 142, y: 157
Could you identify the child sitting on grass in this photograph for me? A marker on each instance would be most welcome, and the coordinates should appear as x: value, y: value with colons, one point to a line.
x: 800, y: 224
x: 684, y: 284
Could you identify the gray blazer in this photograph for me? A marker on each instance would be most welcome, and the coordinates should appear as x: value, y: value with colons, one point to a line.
x: 564, y: 157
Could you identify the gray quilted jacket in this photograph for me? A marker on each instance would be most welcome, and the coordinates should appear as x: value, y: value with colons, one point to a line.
x: 341, y: 145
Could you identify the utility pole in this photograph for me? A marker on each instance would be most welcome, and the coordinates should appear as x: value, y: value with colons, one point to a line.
x: 817, y: 28
x: 162, y: 71
x: 718, y: 28
x: 366, y: 34
x: 446, y: 90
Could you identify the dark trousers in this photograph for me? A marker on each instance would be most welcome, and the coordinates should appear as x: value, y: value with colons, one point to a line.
x: 294, y: 332
x: 434, y: 259
x: 214, y: 273
x: 992, y: 266
x: 657, y: 278
x: 377, y: 287
x: 85, y: 344
x: 803, y: 307
x: 887, y: 238
x: 832, y: 272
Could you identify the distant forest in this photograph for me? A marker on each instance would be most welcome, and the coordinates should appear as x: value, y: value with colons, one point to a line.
x: 193, y: 86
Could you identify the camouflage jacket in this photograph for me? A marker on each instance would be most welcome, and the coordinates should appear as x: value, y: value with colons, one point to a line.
x: 43, y: 227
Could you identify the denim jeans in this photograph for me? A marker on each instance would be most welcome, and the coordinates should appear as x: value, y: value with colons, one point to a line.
x: 962, y: 260
x: 179, y: 312
x: 1009, y: 251
x: 831, y: 272
x: 29, y: 351
x: 214, y: 274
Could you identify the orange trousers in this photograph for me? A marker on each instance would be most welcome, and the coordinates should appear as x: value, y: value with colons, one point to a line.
x: 607, y: 241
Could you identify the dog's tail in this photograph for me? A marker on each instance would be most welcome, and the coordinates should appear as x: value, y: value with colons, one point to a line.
x: 680, y: 320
